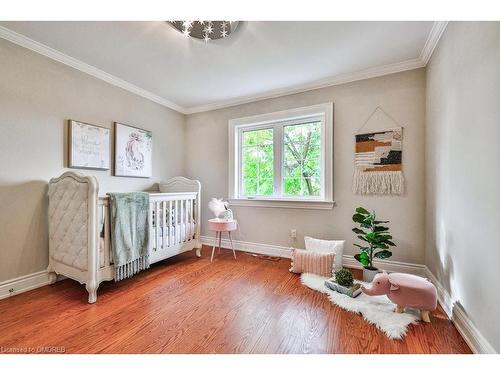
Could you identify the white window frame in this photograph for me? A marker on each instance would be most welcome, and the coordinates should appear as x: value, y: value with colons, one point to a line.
x: 277, y: 120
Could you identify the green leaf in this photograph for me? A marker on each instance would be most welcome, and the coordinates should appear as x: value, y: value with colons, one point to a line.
x: 362, y: 210
x: 383, y: 237
x: 383, y: 254
x: 390, y: 243
x: 362, y: 258
x: 358, y: 218
x: 379, y: 228
x: 358, y: 231
x: 363, y: 238
x: 380, y: 221
x: 371, y: 237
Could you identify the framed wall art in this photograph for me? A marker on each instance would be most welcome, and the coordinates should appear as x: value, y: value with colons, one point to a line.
x: 89, y: 146
x: 133, y: 151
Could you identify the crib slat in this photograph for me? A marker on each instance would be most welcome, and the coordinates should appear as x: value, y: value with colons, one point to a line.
x: 182, y: 227
x: 163, y: 223
x: 192, y: 219
x: 151, y: 243
x: 188, y: 219
x: 157, y: 225
x: 169, y: 223
x: 176, y: 223
x: 191, y: 223
x: 187, y: 226
x: 183, y: 219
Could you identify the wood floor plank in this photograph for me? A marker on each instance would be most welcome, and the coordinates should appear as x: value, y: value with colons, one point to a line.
x: 190, y: 305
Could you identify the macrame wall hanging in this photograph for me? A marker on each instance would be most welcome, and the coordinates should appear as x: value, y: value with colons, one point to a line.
x: 378, y: 160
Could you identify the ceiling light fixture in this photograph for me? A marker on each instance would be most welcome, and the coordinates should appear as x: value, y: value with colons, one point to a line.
x: 205, y: 30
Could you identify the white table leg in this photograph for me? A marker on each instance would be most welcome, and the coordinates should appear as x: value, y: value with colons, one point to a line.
x: 232, y: 246
x: 213, y: 249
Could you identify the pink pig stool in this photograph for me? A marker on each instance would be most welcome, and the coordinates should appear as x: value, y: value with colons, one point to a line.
x: 405, y: 291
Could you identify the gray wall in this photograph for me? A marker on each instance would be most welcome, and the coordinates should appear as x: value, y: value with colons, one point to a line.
x: 402, y: 95
x: 463, y: 175
x: 37, y: 96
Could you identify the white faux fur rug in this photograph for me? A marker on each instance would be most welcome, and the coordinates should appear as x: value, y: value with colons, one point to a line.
x: 378, y: 310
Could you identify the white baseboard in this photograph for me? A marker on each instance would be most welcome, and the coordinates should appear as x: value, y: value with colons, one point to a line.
x: 251, y: 247
x: 444, y: 297
x: 285, y: 252
x: 387, y: 265
x: 476, y: 341
x: 22, y: 284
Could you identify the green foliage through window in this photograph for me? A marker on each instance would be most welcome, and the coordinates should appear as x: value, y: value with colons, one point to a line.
x: 258, y: 162
x: 301, y: 154
x: 302, y: 159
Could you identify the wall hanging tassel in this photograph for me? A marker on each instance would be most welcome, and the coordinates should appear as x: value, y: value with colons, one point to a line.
x: 378, y: 161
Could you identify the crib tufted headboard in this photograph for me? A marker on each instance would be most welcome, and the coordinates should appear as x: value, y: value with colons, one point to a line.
x: 73, y: 222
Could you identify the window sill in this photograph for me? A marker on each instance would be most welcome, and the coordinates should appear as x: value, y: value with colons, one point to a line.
x: 282, y: 203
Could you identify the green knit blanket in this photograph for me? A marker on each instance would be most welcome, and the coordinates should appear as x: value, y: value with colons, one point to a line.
x: 129, y: 213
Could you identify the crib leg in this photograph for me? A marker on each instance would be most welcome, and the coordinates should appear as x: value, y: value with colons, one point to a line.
x: 92, y: 289
x: 198, y: 252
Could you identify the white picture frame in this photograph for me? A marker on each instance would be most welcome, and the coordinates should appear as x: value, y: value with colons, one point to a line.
x: 133, y: 151
x: 89, y: 146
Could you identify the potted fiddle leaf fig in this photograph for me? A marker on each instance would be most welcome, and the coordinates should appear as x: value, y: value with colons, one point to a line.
x: 378, y: 241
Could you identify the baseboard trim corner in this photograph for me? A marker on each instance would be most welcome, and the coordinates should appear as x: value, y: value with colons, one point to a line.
x: 9, y: 288
x: 456, y: 313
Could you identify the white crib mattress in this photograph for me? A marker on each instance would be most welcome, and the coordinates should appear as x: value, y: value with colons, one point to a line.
x: 170, y: 234
x: 182, y: 232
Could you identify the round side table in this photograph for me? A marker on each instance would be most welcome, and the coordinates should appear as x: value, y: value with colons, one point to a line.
x: 219, y: 226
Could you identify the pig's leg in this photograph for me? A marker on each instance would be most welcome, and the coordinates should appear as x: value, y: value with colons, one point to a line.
x: 424, y: 314
x: 400, y: 309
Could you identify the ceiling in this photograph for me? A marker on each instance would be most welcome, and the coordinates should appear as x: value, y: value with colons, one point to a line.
x: 261, y: 59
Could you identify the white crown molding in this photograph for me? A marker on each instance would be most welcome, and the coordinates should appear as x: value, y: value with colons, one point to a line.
x: 432, y: 41
x: 53, y: 54
x: 420, y: 62
x: 331, y: 81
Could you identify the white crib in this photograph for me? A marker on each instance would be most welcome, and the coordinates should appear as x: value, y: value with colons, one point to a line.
x: 79, y: 238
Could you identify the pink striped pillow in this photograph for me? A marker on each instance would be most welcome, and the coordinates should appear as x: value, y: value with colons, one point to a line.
x: 312, y: 262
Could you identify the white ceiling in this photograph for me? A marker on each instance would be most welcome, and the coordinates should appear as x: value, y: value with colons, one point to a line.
x: 259, y: 59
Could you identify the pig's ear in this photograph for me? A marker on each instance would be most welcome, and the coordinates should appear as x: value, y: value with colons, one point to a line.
x: 394, y: 286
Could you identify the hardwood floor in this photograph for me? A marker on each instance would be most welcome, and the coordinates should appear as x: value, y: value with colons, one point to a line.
x: 188, y: 305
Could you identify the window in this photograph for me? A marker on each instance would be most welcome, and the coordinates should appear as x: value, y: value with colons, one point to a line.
x: 282, y: 159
